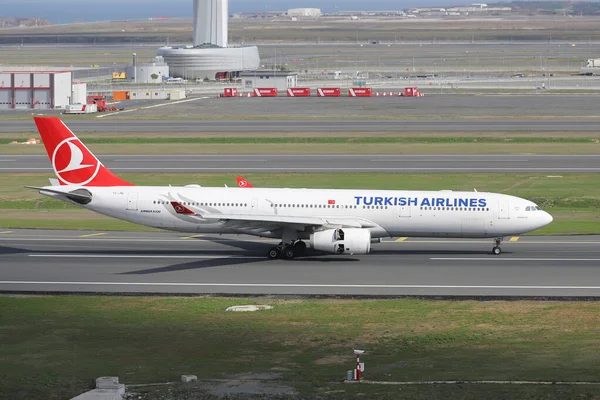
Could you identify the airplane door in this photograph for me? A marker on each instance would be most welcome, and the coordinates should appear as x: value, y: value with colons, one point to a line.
x: 254, y: 204
x: 503, y: 209
x: 405, y: 212
x: 132, y: 201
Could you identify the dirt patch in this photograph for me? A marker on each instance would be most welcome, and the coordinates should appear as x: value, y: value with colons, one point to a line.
x: 332, y: 360
x: 266, y: 383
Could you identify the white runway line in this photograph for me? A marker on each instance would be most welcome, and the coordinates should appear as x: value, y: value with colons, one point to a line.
x: 499, y: 258
x: 86, y: 256
x: 299, y: 285
x: 153, y: 106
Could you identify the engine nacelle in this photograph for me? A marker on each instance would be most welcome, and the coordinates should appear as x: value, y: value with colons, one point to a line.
x: 342, y: 241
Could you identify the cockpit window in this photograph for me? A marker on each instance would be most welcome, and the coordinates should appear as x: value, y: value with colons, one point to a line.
x: 533, y: 208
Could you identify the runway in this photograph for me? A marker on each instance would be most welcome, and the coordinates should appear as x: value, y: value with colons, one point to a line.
x: 505, y: 124
x: 323, y: 163
x: 113, y: 262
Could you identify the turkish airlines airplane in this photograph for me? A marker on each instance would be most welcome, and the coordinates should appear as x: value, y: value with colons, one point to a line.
x: 331, y: 221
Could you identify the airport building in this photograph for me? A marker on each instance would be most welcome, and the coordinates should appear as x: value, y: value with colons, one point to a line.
x: 304, y: 12
x: 269, y: 79
x: 35, y: 89
x: 210, y: 55
x: 152, y: 72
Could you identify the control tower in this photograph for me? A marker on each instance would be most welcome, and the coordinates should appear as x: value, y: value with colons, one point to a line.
x: 210, y: 56
x: 211, y: 19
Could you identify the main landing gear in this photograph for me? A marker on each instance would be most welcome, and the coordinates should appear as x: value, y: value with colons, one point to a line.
x: 496, y: 250
x: 287, y: 251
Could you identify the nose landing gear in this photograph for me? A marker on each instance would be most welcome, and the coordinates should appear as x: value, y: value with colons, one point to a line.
x: 496, y: 250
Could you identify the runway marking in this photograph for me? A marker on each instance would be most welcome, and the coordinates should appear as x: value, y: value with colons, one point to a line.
x: 153, y: 106
x: 514, y: 239
x: 402, y: 239
x: 340, y: 169
x: 444, y: 160
x: 191, y: 237
x: 93, y: 235
x: 5, y: 232
x: 137, y: 256
x: 301, y: 285
x: 496, y: 258
x: 188, y: 160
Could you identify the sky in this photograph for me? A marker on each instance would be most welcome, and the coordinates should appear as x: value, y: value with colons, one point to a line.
x: 66, y: 11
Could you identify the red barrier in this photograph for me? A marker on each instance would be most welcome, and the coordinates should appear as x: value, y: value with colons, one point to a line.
x: 411, y: 92
x: 360, y: 92
x: 298, y: 92
x: 230, y: 92
x: 329, y: 92
x: 265, y: 92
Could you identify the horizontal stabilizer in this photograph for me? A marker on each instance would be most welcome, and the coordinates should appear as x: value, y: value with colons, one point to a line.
x: 80, y: 196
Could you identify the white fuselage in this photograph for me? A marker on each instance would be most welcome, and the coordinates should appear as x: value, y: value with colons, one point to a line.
x: 389, y: 213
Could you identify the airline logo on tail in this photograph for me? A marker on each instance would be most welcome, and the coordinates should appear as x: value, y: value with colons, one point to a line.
x: 69, y: 161
x: 73, y: 163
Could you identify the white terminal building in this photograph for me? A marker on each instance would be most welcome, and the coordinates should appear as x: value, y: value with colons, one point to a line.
x: 210, y: 54
x: 304, y: 12
x: 152, y: 72
x: 37, y: 89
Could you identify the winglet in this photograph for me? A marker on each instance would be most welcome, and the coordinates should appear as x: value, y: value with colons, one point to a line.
x: 73, y: 162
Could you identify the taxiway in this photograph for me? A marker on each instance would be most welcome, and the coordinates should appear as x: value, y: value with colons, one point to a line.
x: 113, y: 262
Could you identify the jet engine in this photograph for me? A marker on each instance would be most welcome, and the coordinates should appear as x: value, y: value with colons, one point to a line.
x: 342, y: 241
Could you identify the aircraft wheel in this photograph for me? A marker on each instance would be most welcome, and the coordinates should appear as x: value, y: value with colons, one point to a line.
x: 274, y: 253
x: 496, y: 250
x: 288, y: 253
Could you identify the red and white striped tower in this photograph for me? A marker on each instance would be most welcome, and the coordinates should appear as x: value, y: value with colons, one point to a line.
x: 359, y: 366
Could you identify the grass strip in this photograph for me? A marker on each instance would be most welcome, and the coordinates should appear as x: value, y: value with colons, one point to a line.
x: 573, y: 199
x: 53, y: 347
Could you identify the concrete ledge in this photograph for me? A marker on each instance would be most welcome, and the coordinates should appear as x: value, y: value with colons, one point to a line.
x: 115, y: 393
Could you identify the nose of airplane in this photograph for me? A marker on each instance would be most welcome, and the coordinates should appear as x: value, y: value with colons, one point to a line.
x: 546, y: 218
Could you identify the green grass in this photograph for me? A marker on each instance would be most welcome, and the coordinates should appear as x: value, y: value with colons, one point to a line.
x: 53, y: 347
x: 573, y: 199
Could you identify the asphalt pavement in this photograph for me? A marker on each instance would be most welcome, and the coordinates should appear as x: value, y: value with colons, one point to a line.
x: 113, y: 262
x: 506, y: 124
x: 322, y: 163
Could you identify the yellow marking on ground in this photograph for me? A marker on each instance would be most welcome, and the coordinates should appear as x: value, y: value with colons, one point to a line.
x: 191, y: 237
x: 402, y: 239
x: 514, y: 239
x: 5, y: 232
x: 92, y: 235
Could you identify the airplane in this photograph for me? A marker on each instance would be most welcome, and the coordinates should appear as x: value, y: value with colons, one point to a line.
x: 334, y: 221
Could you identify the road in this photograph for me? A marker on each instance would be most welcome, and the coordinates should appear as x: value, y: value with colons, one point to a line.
x: 358, y: 125
x: 322, y: 163
x: 100, y: 262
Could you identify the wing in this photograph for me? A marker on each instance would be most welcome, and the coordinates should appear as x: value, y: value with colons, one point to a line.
x: 272, y: 222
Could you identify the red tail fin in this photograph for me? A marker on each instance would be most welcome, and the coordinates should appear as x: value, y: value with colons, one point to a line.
x: 73, y: 163
x: 243, y: 183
